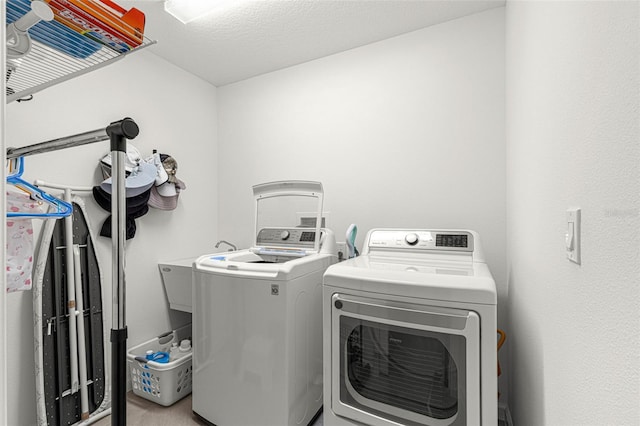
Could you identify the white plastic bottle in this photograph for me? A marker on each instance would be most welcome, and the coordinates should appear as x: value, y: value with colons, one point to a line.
x: 185, y: 346
x: 174, y: 352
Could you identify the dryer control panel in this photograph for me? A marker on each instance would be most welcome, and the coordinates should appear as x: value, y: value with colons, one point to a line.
x: 421, y: 240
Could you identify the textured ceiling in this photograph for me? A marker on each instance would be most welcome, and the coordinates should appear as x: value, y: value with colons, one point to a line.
x: 257, y: 37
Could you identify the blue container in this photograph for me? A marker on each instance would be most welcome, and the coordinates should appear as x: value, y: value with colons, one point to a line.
x: 52, y: 33
x: 161, y: 357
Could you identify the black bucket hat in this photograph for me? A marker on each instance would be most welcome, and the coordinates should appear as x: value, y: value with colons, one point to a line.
x: 135, y: 207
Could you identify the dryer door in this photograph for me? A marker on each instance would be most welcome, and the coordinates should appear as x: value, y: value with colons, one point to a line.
x: 404, y: 364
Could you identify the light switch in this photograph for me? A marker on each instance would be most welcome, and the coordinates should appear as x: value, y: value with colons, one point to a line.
x: 572, y: 237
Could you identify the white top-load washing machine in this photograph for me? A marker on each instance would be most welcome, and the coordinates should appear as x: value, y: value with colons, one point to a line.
x: 257, y: 315
x: 410, y: 332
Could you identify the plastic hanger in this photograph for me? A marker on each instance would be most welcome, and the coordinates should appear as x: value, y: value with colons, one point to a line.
x: 61, y: 208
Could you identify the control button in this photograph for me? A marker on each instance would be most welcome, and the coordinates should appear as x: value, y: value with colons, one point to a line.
x: 411, y: 239
x: 338, y: 304
x: 284, y: 235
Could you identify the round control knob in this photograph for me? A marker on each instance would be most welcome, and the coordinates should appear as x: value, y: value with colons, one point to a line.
x: 284, y: 235
x: 338, y: 304
x: 411, y: 239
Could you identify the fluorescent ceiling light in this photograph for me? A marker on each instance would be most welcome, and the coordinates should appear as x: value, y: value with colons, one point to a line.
x: 188, y: 10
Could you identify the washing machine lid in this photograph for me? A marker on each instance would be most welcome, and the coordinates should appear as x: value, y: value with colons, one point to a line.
x: 445, y: 280
x: 288, y: 217
x: 249, y: 264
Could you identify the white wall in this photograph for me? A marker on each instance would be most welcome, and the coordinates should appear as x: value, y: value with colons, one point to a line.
x: 176, y: 113
x: 572, y: 141
x: 407, y: 132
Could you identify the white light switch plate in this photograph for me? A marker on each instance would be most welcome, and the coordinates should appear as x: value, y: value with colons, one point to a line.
x: 572, y: 237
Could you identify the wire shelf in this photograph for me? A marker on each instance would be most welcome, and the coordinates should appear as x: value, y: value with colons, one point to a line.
x: 58, y: 54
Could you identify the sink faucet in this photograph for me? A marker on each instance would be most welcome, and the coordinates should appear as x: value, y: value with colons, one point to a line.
x: 233, y: 247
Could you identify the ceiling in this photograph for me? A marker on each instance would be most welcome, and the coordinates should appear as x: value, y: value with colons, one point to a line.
x: 257, y: 37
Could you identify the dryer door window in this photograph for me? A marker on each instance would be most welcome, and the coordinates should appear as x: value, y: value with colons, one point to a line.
x: 407, y: 364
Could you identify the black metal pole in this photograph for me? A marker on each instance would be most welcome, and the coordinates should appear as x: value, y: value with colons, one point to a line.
x: 119, y: 132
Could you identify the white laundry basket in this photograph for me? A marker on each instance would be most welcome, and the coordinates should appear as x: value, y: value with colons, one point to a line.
x: 162, y: 383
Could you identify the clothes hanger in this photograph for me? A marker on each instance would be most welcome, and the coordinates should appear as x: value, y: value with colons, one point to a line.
x: 61, y: 208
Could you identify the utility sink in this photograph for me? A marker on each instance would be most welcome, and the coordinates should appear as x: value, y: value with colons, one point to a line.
x: 176, y: 277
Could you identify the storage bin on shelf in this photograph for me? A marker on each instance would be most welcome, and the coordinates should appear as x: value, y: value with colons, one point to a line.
x: 162, y: 383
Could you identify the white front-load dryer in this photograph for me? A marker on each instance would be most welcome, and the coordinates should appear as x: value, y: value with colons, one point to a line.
x: 410, y: 332
x: 257, y: 317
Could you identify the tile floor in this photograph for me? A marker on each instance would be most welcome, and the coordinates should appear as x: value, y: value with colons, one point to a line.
x: 141, y: 412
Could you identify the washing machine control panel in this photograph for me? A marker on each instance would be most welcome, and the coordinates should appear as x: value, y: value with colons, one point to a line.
x: 295, y: 237
x: 421, y: 240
